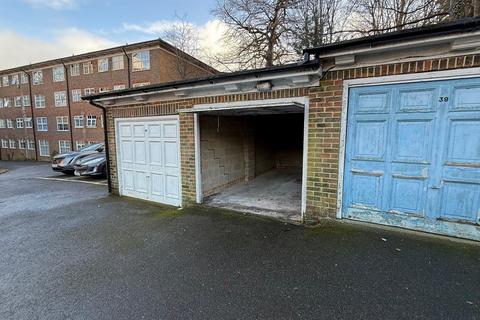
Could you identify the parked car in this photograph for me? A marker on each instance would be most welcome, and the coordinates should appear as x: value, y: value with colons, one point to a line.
x: 92, y: 165
x: 64, y: 162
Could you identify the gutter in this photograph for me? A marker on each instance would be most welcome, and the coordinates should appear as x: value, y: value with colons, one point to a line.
x: 107, y: 147
x: 70, y: 122
x: 34, y: 120
x: 129, y: 80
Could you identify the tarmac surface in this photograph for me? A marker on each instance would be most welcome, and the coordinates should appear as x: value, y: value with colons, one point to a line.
x: 71, y: 251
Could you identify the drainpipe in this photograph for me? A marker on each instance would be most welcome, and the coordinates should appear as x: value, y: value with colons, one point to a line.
x: 129, y: 80
x: 34, y: 122
x: 107, y: 151
x: 70, y: 121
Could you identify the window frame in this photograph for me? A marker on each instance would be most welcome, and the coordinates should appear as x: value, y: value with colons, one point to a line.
x: 4, y: 143
x: 141, y: 60
x: 19, y: 123
x: 12, y: 142
x: 18, y: 101
x: 37, y: 80
x: 41, y: 125
x: 5, y: 81
x: 26, y: 100
x: 65, y: 142
x: 91, y: 119
x: 88, y: 93
x: 75, y: 67
x: 29, y: 121
x: 89, y: 69
x: 22, y: 144
x: 60, y: 99
x: 41, y: 105
x: 116, y: 63
x: 103, y: 65
x: 10, y: 124
x: 78, y: 118
x: 41, y: 147
x: 65, y: 125
x: 56, y: 76
x: 30, y: 144
x: 76, y: 95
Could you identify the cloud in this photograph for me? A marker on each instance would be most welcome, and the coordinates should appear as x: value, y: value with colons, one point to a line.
x: 53, y: 4
x: 24, y: 50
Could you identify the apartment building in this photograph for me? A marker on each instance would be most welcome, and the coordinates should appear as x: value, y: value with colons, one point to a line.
x: 41, y: 110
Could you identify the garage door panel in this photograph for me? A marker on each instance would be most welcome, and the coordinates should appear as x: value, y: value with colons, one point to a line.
x: 139, y: 130
x: 417, y: 100
x: 466, y: 98
x: 127, y: 151
x: 128, y: 179
x: 408, y: 194
x: 412, y: 140
x: 140, y: 152
x: 369, y: 140
x: 376, y: 101
x: 125, y: 130
x: 172, y: 186
x: 158, y: 183
x: 366, y: 190
x: 154, y: 130
x: 460, y: 201
x: 171, y: 154
x: 463, y: 141
x: 156, y: 153
x: 140, y: 181
x: 170, y: 130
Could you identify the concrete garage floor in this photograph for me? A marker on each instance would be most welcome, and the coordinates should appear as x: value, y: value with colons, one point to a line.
x: 71, y: 251
x: 276, y: 193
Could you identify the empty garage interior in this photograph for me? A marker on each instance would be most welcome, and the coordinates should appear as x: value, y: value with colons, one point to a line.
x: 252, y: 161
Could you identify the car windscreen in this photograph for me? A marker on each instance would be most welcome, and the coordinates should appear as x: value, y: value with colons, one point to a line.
x: 92, y: 147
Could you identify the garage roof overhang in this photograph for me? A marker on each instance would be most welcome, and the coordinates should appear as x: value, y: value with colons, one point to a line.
x: 296, y: 75
x: 439, y: 39
x: 251, y: 108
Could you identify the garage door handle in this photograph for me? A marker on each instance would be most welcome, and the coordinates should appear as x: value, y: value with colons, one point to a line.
x: 435, y: 187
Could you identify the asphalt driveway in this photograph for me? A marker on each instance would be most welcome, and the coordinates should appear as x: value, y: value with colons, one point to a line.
x: 71, y: 251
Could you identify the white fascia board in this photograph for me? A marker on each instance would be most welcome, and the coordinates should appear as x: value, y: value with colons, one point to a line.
x: 193, y: 88
x: 402, y: 45
x: 297, y: 102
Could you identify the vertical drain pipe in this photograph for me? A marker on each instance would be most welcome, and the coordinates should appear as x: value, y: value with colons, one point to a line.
x: 70, y: 120
x: 34, y: 122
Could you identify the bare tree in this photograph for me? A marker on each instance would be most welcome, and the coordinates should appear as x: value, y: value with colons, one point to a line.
x: 257, y: 31
x: 183, y: 36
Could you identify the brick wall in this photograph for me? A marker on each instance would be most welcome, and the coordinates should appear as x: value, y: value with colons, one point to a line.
x: 324, y: 126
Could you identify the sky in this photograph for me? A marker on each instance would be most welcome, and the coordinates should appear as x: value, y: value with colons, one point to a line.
x: 36, y: 30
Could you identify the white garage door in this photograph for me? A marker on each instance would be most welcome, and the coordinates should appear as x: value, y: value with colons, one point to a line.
x: 149, y: 159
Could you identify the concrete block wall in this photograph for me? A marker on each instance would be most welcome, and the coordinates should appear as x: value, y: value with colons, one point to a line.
x: 222, y: 152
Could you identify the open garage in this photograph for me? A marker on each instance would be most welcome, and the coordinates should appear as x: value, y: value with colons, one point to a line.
x: 251, y: 156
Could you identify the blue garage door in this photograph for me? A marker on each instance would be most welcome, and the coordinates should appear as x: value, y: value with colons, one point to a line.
x: 413, y: 156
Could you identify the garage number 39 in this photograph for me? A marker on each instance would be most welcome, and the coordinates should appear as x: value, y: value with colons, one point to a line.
x: 443, y: 99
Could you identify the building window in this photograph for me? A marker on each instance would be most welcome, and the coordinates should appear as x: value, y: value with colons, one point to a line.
x: 60, y: 99
x: 7, y: 102
x: 78, y: 121
x: 19, y: 123
x: 30, y: 144
x: 4, y: 144
x: 39, y: 101
x: 58, y: 74
x: 76, y: 95
x: 5, y: 81
x: 91, y: 121
x: 64, y: 146
x: 11, y: 143
x: 26, y: 101
x: 118, y: 87
x: 103, y: 65
x: 80, y: 145
x: 10, y: 123
x: 141, y: 60
x: 87, y: 67
x: 89, y: 91
x: 3, y: 125
x: 15, y: 81
x: 103, y: 89
x: 44, y: 148
x: 1, y: 102
x: 37, y: 77
x: 140, y: 84
x: 62, y: 123
x: 117, y: 63
x: 28, y: 123
x: 42, y: 124
x: 18, y: 101
x: 22, y: 144
x: 75, y: 69
x: 23, y: 78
